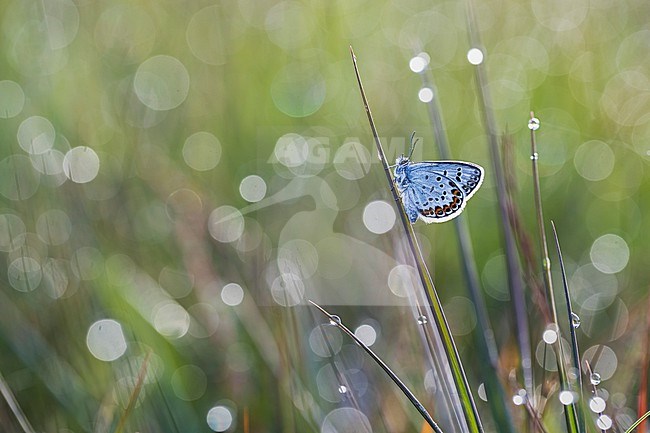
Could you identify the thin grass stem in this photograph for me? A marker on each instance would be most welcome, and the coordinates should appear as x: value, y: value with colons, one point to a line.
x: 133, y: 398
x: 638, y: 421
x: 571, y: 416
x: 336, y: 321
x: 15, y: 408
x: 484, y: 335
x: 595, y: 390
x: 462, y: 386
x: 512, y: 260
x: 572, y: 330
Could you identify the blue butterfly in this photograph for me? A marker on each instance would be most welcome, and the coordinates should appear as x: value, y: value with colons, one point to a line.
x: 435, y: 191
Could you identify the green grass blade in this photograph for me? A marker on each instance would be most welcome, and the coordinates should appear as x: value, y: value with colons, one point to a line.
x: 575, y: 354
x: 483, y: 334
x: 462, y: 386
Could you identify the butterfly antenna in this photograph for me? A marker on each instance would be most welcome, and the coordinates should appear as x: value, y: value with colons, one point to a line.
x: 413, y: 143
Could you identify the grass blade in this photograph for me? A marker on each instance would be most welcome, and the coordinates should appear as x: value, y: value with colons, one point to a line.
x: 133, y: 398
x: 460, y: 380
x: 483, y: 335
x: 15, y: 408
x: 570, y: 413
x: 335, y: 320
x: 575, y: 354
x: 637, y: 422
x: 512, y: 258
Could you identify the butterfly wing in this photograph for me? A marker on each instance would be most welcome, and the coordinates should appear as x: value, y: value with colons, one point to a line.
x: 438, y: 190
x: 466, y: 175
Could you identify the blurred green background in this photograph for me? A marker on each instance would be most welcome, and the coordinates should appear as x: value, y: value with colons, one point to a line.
x: 177, y: 178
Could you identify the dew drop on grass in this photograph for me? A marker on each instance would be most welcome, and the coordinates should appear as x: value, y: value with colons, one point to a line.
x: 534, y: 156
x: 594, y: 379
x: 422, y: 320
x: 343, y: 389
x: 575, y: 320
x: 533, y: 124
x: 335, y: 320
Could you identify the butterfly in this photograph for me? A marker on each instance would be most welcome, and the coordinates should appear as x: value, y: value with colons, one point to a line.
x: 435, y: 191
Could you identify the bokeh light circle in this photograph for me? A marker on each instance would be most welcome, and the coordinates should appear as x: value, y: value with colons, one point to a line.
x: 105, y: 340
x: 24, y: 274
x: 288, y: 290
x: 352, y: 160
x: 202, y: 151
x: 298, y: 90
x: 609, y: 254
x: 425, y: 94
x: 252, y: 188
x: 403, y: 280
x: 11, y: 230
x: 54, y: 227
x: 220, y: 418
x: 291, y: 150
x: 345, y: 420
x: 604, y: 422
x: 594, y: 160
x: 379, y: 217
x: 298, y: 257
x: 597, y: 404
x: 367, y: 334
x: 232, y: 294
x: 289, y: 24
x: 603, y: 360
x: 161, y: 83
x: 189, y: 382
x: 12, y: 99
x: 18, y: 179
x: 226, y: 224
x: 475, y: 56
x: 36, y: 135
x: 171, y: 320
x: 419, y: 63
x: 81, y: 164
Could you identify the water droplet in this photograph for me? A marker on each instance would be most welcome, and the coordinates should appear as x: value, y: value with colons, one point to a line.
x: 422, y: 320
x: 575, y: 320
x: 594, y: 379
x: 533, y: 124
x: 343, y: 389
x: 335, y: 320
x: 534, y: 156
